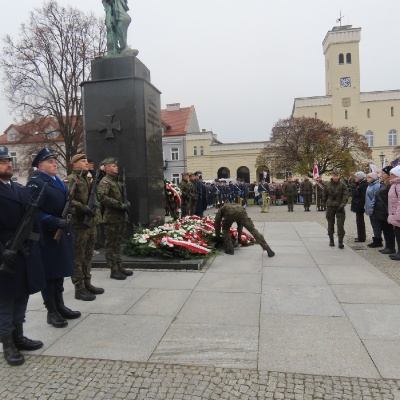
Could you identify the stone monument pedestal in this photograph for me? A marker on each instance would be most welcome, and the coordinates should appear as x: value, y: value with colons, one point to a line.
x: 122, y: 119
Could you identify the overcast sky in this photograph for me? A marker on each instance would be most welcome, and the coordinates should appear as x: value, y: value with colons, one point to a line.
x: 241, y: 63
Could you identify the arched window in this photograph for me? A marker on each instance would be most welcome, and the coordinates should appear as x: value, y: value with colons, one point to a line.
x: 243, y: 173
x: 224, y: 172
x: 201, y: 150
x: 195, y: 150
x: 369, y: 138
x: 348, y: 58
x: 341, y: 58
x: 393, y: 137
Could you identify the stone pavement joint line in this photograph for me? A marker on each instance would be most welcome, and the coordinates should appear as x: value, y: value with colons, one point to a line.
x: 44, y: 377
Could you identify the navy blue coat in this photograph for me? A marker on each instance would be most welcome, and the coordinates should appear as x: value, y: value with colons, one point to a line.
x: 57, y: 257
x: 28, y: 274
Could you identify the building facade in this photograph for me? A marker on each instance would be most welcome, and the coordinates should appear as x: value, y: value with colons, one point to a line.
x: 376, y: 115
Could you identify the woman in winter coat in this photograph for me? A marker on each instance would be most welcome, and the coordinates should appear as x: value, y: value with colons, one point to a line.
x: 373, y: 186
x: 381, y: 212
x: 358, y: 204
x: 394, y: 207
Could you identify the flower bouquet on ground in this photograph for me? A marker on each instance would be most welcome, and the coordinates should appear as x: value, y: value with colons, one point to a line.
x: 189, y: 237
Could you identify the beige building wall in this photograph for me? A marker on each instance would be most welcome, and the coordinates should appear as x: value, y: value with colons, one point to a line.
x: 344, y: 103
x: 217, y: 155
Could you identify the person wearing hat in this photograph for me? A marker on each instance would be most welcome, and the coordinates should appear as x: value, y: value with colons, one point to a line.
x: 319, y: 193
x: 109, y: 192
x: 84, y: 228
x: 226, y: 216
x: 373, y: 186
x: 289, y: 190
x: 381, y: 212
x: 20, y: 276
x: 394, y: 207
x: 57, y: 256
x: 306, y: 190
x: 358, y: 204
x: 335, y: 200
x: 187, y: 194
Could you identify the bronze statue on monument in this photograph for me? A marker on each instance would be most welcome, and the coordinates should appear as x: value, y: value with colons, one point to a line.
x: 117, y: 23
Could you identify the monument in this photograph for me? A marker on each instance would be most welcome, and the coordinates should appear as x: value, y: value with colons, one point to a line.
x: 122, y: 118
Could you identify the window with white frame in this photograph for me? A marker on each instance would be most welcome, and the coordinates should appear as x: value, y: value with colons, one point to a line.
x: 175, y: 179
x: 369, y: 138
x: 393, y: 137
x: 13, y: 155
x: 174, y: 154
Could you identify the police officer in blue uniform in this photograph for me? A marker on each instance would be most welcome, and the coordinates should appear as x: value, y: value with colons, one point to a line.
x: 27, y: 273
x: 57, y: 256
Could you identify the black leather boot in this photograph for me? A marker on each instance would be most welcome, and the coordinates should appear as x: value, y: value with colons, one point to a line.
x: 119, y: 276
x: 229, y: 251
x: 22, y: 342
x: 64, y: 311
x: 83, y: 294
x: 125, y: 271
x: 10, y: 352
x: 341, y: 245
x: 331, y: 241
x: 376, y: 242
x: 270, y: 252
x: 395, y: 257
x: 93, y: 289
x: 53, y: 317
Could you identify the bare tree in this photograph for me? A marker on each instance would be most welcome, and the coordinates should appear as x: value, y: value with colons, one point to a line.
x: 44, y: 67
x: 296, y: 143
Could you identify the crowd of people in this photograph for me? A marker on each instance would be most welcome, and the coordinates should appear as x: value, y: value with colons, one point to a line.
x: 47, y: 233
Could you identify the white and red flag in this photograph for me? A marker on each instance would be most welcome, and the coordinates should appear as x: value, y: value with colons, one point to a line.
x: 315, y: 171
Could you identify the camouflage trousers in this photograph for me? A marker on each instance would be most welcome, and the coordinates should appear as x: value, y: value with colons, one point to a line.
x: 193, y: 208
x: 290, y: 201
x: 84, y: 241
x: 114, y: 234
x: 331, y: 212
x: 307, y: 200
x: 185, y: 209
x: 246, y: 222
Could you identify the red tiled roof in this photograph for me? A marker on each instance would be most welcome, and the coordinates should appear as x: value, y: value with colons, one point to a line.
x: 176, y: 122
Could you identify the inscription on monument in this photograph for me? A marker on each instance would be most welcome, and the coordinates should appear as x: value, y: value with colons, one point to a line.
x: 153, y: 117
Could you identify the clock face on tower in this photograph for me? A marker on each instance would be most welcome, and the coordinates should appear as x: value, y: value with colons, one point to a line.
x: 345, y: 82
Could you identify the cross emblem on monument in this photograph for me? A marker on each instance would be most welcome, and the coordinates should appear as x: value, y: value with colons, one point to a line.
x: 109, y: 127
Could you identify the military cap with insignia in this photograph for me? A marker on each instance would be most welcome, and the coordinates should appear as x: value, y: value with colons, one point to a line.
x: 78, y: 157
x: 4, y: 153
x: 109, y: 160
x: 43, y: 154
x: 184, y: 173
x: 335, y: 172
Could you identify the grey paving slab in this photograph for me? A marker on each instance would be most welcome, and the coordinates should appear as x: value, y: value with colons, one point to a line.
x: 288, y: 260
x: 300, y: 300
x: 239, y: 264
x: 367, y: 294
x: 309, y: 230
x: 375, y: 321
x: 277, y: 276
x: 221, y: 309
x: 230, y: 282
x: 284, y: 243
x: 386, y: 356
x: 165, y: 280
x: 284, y: 249
x: 349, y: 274
x: 336, y: 256
x: 317, y: 244
x: 112, y: 337
x: 217, y: 345
x: 313, y: 345
x: 160, y: 302
x: 35, y: 302
x: 36, y: 327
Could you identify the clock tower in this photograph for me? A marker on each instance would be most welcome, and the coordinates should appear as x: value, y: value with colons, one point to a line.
x: 342, y: 63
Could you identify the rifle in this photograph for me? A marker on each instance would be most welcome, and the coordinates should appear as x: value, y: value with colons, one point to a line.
x: 92, y: 203
x: 24, y: 232
x: 125, y: 195
x: 65, y: 213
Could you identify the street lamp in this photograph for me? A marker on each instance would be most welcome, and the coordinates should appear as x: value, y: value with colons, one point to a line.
x: 382, y: 157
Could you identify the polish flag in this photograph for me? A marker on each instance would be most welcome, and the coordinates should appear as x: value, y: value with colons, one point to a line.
x: 315, y: 171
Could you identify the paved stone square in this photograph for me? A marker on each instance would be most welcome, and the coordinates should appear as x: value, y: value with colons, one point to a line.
x: 313, y: 322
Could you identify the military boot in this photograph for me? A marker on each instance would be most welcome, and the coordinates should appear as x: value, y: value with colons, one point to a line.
x: 10, y: 352
x: 119, y: 276
x: 83, y: 294
x: 230, y: 252
x: 53, y: 317
x: 270, y: 252
x: 376, y: 242
x: 64, y: 311
x: 125, y: 271
x: 22, y: 342
x: 93, y: 289
x: 341, y: 245
x: 395, y: 257
x: 331, y: 241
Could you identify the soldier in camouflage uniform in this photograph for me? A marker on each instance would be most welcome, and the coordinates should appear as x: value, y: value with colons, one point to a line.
x: 319, y: 193
x: 84, y: 226
x: 289, y: 189
x: 187, y: 194
x: 109, y: 193
x: 227, y: 215
x: 306, y: 190
x: 335, y: 200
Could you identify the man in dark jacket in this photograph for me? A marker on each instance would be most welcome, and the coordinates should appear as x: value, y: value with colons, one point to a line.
x: 227, y: 215
x: 358, y: 204
x: 306, y: 190
x: 20, y: 276
x: 289, y: 190
x: 57, y: 255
